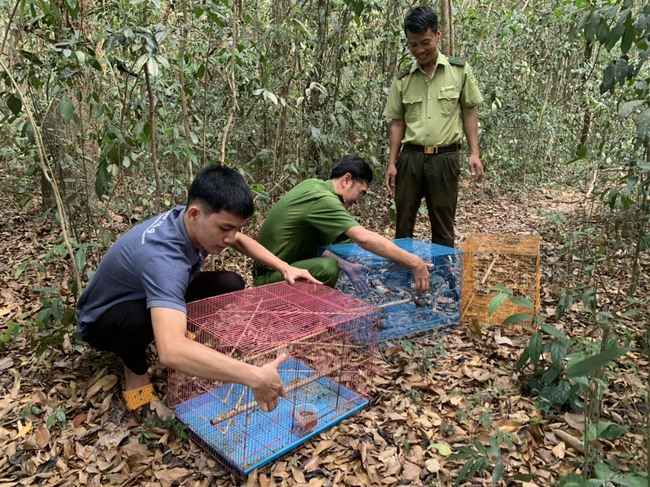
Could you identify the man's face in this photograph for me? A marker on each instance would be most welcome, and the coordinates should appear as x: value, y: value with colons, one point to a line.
x: 212, y: 232
x: 352, y: 190
x: 424, y: 47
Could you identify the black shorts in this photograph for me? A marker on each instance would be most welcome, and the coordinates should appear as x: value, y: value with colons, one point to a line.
x: 126, y: 329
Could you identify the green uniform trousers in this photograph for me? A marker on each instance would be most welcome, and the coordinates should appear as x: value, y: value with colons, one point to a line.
x: 434, y: 177
x: 325, y: 269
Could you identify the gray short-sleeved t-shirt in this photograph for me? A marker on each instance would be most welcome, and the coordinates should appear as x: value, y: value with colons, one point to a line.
x: 154, y: 261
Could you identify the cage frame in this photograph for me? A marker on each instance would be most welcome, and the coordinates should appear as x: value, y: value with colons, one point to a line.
x: 475, y: 298
x: 419, y: 329
x: 349, y: 326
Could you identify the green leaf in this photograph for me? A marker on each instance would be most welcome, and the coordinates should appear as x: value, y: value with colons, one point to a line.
x: 617, y: 32
x: 496, y: 302
x: 592, y: 26
x: 558, y: 353
x: 594, y: 363
x: 602, y: 471
x: 57, y: 309
x: 501, y: 289
x: 518, y: 318
x: 629, y: 37
x: 66, y: 109
x: 101, y: 181
x: 522, y: 361
x: 644, y: 243
x: 631, y: 480
x: 14, y: 104
x: 521, y: 301
x: 200, y: 72
x: 72, y: 7
x: 464, y: 471
x: 80, y: 259
x: 497, y: 473
x: 643, y: 127
x: 628, y: 107
x: 441, y: 448
x: 609, y: 77
x: 621, y: 70
x: 611, y: 431
x: 535, y: 347
x: 20, y: 270
x: 552, y: 330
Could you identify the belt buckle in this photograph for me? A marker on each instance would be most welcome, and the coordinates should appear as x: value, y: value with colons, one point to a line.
x: 431, y: 149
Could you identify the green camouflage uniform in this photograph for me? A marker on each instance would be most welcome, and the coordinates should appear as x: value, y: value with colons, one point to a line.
x: 431, y: 110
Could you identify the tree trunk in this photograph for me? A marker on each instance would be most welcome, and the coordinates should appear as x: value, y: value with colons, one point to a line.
x: 586, y: 117
x: 153, y: 140
x: 447, y: 27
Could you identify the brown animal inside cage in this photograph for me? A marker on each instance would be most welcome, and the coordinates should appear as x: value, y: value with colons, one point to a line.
x: 507, y: 261
x: 330, y: 339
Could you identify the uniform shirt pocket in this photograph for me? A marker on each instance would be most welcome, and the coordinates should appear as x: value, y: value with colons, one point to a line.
x: 412, y: 108
x: 448, y: 99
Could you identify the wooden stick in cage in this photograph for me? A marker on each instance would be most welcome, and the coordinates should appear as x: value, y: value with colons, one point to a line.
x: 488, y: 271
x: 395, y: 303
x: 246, y: 407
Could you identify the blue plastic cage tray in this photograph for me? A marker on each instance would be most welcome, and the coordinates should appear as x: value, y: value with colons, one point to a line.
x: 253, y: 438
x: 389, y: 287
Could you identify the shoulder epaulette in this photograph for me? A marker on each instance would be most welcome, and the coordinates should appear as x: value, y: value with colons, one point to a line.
x: 456, y: 61
x: 405, y: 71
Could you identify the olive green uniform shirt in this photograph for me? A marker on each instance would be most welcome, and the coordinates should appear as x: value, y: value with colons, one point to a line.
x: 431, y: 107
x: 308, y: 216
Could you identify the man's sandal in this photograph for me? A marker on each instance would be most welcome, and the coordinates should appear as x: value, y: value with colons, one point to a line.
x: 137, y: 398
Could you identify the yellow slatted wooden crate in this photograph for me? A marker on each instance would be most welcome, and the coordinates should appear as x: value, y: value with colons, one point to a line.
x: 510, y: 261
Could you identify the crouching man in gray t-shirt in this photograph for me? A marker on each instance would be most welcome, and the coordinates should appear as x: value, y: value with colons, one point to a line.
x: 140, y: 289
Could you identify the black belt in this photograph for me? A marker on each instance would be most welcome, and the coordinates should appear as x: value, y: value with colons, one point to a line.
x: 431, y: 150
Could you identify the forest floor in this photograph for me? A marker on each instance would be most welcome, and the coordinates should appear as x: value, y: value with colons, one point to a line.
x: 63, y: 421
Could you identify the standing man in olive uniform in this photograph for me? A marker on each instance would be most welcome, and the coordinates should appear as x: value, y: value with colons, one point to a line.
x: 431, y: 103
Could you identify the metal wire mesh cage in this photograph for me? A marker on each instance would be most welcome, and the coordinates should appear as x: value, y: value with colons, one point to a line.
x: 388, y: 285
x: 331, y: 340
x: 509, y: 261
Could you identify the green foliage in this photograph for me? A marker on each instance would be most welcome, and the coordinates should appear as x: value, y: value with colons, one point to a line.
x: 480, y: 457
x: 56, y: 319
x: 604, y: 477
x: 175, y: 428
x: 56, y: 417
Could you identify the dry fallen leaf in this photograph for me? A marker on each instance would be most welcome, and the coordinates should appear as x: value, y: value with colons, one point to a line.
x: 23, y: 430
x: 6, y: 362
x: 41, y: 436
x: 559, y: 450
x: 105, y: 383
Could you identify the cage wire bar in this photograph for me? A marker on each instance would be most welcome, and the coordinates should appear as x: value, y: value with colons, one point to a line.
x: 331, y: 340
x: 509, y: 261
x: 389, y: 286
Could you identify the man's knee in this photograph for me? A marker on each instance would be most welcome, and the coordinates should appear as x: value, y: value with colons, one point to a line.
x: 326, y: 270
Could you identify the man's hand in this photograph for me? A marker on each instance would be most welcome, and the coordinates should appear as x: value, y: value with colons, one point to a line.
x: 355, y: 272
x: 421, y: 275
x: 476, y: 168
x: 270, y: 388
x: 391, y: 174
x: 292, y: 274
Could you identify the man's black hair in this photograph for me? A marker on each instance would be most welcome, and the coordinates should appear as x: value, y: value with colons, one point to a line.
x: 219, y: 188
x: 357, y: 167
x: 421, y: 19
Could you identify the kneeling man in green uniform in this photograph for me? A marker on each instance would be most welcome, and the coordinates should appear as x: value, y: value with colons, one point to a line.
x: 315, y: 213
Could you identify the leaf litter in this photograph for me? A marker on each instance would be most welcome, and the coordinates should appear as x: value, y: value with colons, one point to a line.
x: 63, y: 421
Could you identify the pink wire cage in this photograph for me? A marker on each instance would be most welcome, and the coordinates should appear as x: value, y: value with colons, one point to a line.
x: 330, y: 339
